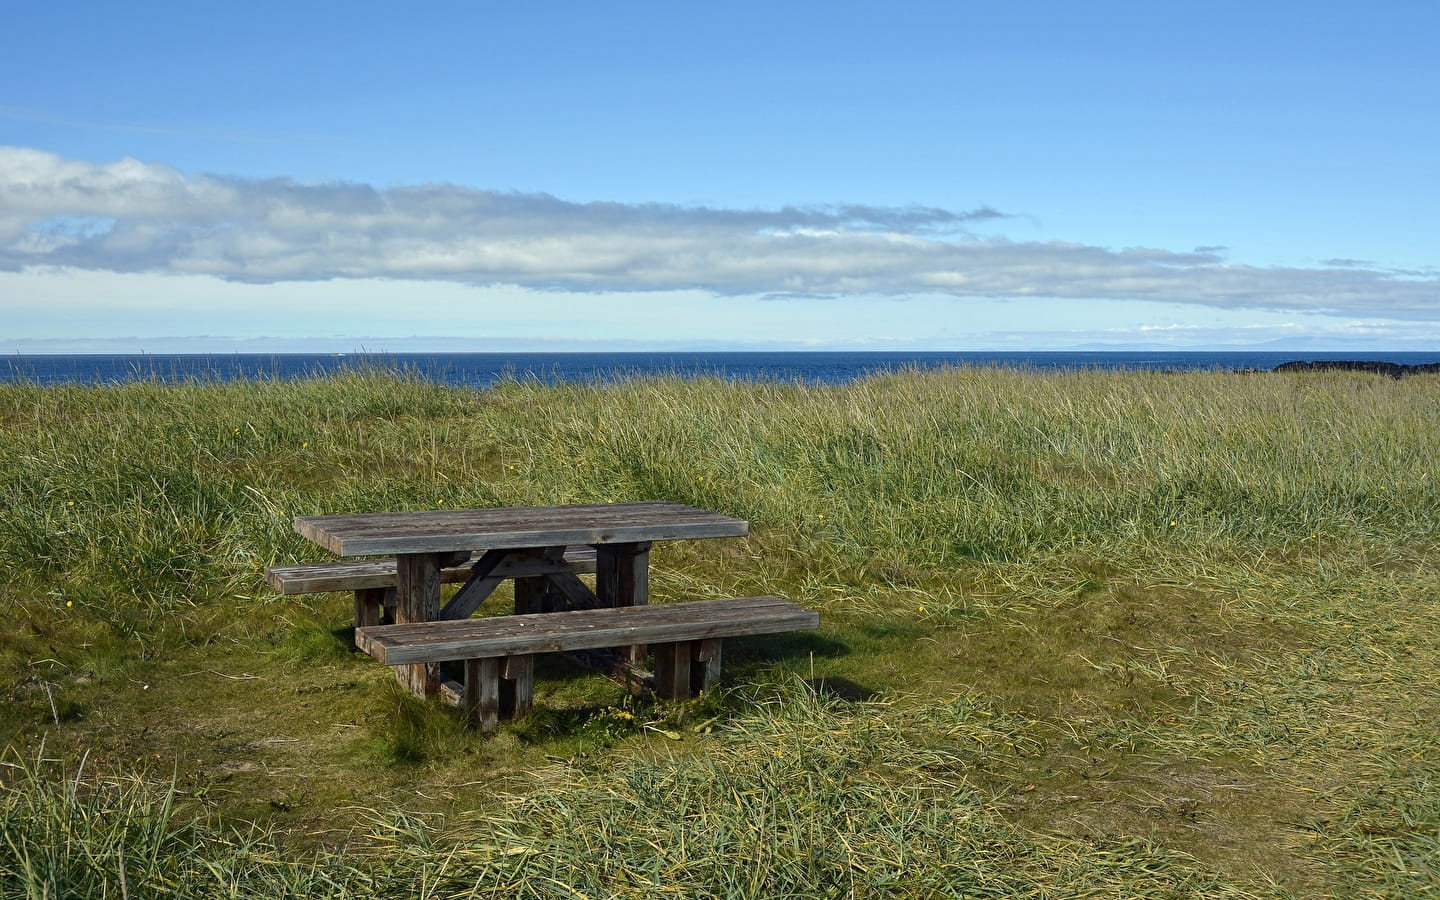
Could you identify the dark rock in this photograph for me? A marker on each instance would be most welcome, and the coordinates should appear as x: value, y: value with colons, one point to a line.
x: 1375, y: 367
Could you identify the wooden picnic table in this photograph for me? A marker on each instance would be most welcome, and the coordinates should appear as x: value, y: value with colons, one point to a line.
x: 524, y: 543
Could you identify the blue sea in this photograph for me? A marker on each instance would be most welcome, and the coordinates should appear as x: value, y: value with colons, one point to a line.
x: 484, y: 369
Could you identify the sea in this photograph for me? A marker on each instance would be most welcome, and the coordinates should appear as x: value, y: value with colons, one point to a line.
x: 481, y: 370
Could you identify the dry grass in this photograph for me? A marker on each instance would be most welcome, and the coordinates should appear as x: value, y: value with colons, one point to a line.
x: 1083, y: 635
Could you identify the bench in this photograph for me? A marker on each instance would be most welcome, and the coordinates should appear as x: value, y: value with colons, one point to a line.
x: 499, y: 651
x: 373, y: 580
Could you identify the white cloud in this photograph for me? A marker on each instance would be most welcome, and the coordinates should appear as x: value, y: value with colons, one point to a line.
x: 131, y: 216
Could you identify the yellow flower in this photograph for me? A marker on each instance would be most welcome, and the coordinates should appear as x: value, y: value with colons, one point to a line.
x: 820, y: 516
x: 304, y: 444
x: 1172, y: 523
x: 69, y: 602
x: 71, y: 503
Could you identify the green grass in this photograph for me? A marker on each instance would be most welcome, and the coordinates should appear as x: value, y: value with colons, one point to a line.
x: 1083, y: 635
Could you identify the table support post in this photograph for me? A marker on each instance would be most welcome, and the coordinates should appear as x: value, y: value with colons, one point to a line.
x: 417, y: 599
x: 672, y: 670
x: 622, y: 578
x: 482, y: 692
x: 532, y: 595
x: 369, y: 606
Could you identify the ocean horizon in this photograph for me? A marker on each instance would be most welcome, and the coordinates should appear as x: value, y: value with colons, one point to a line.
x: 485, y: 369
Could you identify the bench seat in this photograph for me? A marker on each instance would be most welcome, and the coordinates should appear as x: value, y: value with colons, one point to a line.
x: 373, y: 580
x: 365, y: 574
x: 499, y: 651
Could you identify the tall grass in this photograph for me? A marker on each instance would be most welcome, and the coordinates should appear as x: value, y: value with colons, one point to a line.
x: 181, y: 490
x: 799, y: 797
x: 1195, y: 606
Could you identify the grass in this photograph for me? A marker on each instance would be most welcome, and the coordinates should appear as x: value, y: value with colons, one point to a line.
x: 1083, y: 635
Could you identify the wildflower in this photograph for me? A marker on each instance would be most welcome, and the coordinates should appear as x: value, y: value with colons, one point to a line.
x: 820, y: 516
x: 304, y: 444
x: 69, y: 602
x: 1172, y: 523
x: 71, y: 503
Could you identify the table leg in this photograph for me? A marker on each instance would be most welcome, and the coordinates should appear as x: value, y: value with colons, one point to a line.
x: 622, y: 578
x: 532, y: 595
x: 417, y: 599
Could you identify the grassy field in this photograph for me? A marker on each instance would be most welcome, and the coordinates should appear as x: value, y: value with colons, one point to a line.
x: 1083, y: 635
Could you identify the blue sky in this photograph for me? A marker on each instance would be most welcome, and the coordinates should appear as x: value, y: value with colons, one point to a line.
x: 538, y: 176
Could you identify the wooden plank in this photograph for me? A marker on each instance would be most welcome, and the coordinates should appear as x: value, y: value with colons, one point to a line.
x: 531, y: 595
x: 672, y: 670
x: 368, y: 604
x: 518, y: 688
x: 705, y: 670
x: 362, y: 574
x: 573, y: 593
x: 584, y: 629
x: 482, y: 584
x: 417, y: 594
x: 622, y: 574
x: 482, y: 692
x: 365, y: 534
x: 622, y: 578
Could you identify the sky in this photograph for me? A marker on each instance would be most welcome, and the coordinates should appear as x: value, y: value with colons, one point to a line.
x: 183, y: 177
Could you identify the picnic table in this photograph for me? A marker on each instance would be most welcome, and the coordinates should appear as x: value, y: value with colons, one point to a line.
x: 527, y: 544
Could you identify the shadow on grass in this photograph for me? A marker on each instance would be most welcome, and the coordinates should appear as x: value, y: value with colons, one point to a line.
x: 842, y: 689
x: 780, y: 647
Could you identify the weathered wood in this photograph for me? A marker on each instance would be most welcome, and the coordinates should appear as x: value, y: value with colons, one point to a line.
x: 417, y: 591
x: 482, y: 692
x: 369, y: 602
x: 481, y: 584
x: 498, y: 652
x: 517, y: 691
x: 498, y: 688
x: 497, y: 565
x: 622, y: 578
x: 363, y: 574
x: 583, y: 629
x: 531, y: 595
x: 622, y: 574
x: 368, y: 534
x: 672, y: 670
x: 705, y: 668
x: 572, y: 592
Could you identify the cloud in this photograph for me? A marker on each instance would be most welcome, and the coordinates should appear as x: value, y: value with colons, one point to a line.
x: 132, y: 216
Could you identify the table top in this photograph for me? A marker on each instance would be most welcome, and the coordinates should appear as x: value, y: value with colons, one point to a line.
x: 501, y: 528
